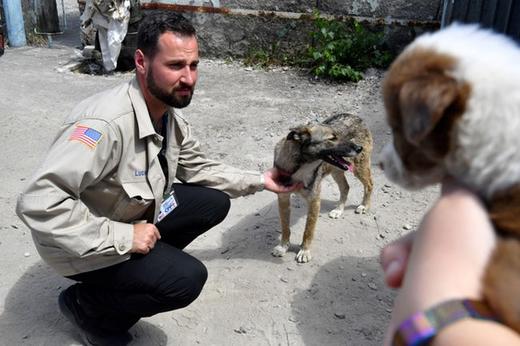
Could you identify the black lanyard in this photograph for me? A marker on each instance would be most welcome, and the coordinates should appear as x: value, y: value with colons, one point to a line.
x: 162, y: 153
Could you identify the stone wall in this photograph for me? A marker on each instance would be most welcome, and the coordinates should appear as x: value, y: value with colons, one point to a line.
x: 415, y: 10
x: 235, y: 28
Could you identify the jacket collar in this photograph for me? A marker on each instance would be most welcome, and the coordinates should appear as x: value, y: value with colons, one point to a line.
x: 144, y: 122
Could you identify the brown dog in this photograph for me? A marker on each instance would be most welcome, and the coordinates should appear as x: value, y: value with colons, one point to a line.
x: 308, y: 154
x: 453, y: 104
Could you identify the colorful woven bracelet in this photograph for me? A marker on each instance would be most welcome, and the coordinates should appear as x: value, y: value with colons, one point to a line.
x: 422, y: 326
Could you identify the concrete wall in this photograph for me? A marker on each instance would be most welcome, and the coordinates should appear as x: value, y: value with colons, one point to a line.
x: 416, y: 10
x: 238, y: 27
x: 235, y: 28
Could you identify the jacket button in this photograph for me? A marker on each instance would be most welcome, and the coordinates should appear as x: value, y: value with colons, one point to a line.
x: 122, y: 247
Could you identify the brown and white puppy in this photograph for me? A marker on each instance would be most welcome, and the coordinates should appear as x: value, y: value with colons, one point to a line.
x: 311, y: 152
x: 453, y: 103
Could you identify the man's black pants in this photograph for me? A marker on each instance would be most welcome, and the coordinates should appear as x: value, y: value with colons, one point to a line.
x: 166, y: 278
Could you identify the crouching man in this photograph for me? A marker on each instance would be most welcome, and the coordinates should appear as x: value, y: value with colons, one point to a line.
x: 125, y: 188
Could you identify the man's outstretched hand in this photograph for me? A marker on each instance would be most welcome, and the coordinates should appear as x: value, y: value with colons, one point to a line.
x: 280, y: 182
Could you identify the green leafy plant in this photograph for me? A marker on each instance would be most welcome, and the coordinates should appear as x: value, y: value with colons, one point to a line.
x: 259, y: 57
x: 266, y: 57
x: 342, y: 50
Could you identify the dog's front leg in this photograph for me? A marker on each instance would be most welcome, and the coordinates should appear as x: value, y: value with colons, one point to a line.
x: 304, y: 255
x: 284, y: 209
x: 364, y: 175
x: 339, y: 178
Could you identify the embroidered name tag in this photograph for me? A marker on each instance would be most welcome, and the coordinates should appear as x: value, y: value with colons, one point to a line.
x: 139, y: 173
x: 86, y: 135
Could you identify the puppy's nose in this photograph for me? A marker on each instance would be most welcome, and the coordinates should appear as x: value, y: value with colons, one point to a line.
x: 358, y: 148
x: 381, y: 165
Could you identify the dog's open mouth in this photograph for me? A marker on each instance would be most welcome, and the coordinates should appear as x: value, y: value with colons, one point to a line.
x: 336, y: 156
x: 338, y: 161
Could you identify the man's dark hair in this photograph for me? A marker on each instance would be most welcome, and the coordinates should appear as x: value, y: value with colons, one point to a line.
x: 158, y: 22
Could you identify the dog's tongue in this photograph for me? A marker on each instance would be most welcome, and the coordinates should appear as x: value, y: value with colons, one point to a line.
x: 348, y: 166
x: 340, y: 161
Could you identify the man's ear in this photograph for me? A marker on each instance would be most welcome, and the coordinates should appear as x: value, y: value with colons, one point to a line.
x: 139, y: 61
x: 423, y: 102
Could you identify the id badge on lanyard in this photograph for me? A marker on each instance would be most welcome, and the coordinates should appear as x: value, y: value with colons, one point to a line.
x: 169, y: 203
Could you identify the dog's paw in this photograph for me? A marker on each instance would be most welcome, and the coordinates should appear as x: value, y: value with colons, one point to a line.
x: 361, y: 209
x: 336, y: 213
x: 303, y: 256
x: 280, y: 250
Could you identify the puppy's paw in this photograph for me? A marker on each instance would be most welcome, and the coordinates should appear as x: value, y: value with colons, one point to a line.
x: 336, y: 213
x: 361, y: 209
x: 303, y: 256
x: 280, y: 250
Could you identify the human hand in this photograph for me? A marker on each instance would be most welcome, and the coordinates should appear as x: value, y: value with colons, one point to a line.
x: 394, y: 259
x: 445, y: 259
x: 145, y: 237
x: 273, y: 181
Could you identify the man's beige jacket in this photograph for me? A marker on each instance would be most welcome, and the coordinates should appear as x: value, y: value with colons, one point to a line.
x: 102, y: 173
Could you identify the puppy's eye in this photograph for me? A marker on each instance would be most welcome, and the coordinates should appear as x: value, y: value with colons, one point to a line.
x: 332, y: 138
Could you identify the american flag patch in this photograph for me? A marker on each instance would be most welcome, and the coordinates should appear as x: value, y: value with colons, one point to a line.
x: 86, y: 135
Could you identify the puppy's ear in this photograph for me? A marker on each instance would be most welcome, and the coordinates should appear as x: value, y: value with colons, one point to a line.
x: 424, y: 102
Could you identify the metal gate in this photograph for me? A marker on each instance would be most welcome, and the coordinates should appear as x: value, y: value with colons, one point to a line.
x: 501, y: 15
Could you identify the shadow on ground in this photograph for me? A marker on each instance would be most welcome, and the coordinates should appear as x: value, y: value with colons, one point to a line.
x: 255, y: 235
x: 348, y: 298
x: 346, y: 301
x: 32, y: 317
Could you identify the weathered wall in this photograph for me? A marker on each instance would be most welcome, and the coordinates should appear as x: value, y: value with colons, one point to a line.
x: 238, y: 36
x: 238, y: 27
x: 241, y: 26
x: 403, y: 9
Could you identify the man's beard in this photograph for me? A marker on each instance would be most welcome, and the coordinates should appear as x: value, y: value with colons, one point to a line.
x: 168, y: 98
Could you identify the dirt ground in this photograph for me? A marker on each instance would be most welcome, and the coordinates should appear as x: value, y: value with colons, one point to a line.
x: 251, y: 297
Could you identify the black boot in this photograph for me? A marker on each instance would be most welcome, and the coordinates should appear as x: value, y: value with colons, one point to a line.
x: 90, y: 332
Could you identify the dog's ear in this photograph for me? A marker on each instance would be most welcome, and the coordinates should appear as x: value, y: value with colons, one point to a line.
x: 424, y: 101
x: 298, y: 134
x: 293, y: 135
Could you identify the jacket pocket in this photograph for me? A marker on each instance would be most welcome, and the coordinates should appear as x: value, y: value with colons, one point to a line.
x: 134, y: 202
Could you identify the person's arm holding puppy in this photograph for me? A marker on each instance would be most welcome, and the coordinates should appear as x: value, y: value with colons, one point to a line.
x: 445, y: 259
